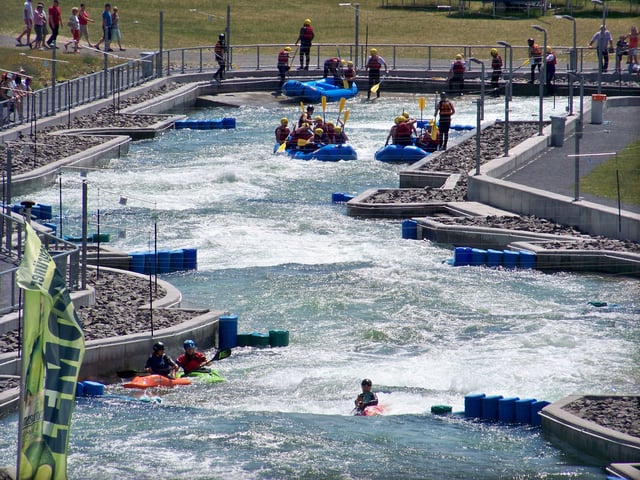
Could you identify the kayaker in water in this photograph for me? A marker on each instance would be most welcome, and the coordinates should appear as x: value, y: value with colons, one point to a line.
x: 191, y: 360
x: 367, y: 398
x: 160, y: 363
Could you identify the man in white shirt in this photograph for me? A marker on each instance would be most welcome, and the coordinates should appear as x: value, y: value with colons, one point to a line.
x: 27, y: 16
x: 604, y: 42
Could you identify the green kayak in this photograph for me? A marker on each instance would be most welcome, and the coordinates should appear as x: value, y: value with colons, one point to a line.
x: 205, y: 376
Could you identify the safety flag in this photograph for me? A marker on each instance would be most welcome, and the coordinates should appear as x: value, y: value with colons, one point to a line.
x: 53, y: 348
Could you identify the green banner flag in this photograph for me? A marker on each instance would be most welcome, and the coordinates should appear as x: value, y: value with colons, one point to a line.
x: 53, y: 348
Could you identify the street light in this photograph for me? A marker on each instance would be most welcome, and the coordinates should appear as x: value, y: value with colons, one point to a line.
x: 573, y: 62
x: 507, y: 94
x: 356, y: 7
x: 543, y: 77
x: 601, y: 46
x: 479, y: 114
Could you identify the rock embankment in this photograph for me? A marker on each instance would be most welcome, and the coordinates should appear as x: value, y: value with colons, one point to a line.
x: 621, y: 414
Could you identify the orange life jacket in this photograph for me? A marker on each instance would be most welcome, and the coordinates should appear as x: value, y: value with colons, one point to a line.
x: 445, y: 108
x: 282, y: 133
x: 403, y: 130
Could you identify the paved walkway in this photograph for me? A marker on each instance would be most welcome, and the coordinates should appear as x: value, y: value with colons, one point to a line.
x: 554, y: 170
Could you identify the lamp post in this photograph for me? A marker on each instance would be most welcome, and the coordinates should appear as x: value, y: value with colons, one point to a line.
x: 573, y: 62
x: 479, y: 115
x: 542, y: 79
x: 507, y: 94
x: 601, y: 45
x: 356, y: 7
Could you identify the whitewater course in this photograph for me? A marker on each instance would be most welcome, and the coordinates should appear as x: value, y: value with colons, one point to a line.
x: 483, y: 371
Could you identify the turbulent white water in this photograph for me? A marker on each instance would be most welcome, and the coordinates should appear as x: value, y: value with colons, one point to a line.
x: 357, y: 300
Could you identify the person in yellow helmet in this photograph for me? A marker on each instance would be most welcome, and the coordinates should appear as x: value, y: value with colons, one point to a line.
x: 282, y: 131
x: 350, y: 73
x: 305, y: 37
x: 283, y: 64
x: 374, y: 64
x: 456, y: 74
x: 496, y: 72
x: 339, y: 136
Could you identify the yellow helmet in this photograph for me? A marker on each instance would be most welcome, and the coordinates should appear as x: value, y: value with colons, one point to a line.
x: 317, y: 118
x: 338, y: 129
x: 350, y: 63
x: 329, y: 124
x: 399, y: 119
x: 284, y: 121
x: 342, y: 61
x: 319, y: 131
x: 305, y: 125
x: 374, y: 51
x: 307, y: 22
x: 494, y: 52
x: 406, y: 115
x: 548, y: 49
x: 287, y: 49
x: 459, y: 56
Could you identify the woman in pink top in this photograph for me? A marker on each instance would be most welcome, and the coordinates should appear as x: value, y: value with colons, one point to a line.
x: 633, y: 45
x: 83, y: 18
x: 39, y: 22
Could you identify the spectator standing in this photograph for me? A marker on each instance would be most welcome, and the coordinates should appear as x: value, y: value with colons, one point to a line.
x: 55, y: 22
x: 551, y: 61
x: 39, y: 23
x: 106, y: 29
x: 220, y: 51
x: 115, y: 28
x: 535, y: 58
x: 27, y: 17
x: 604, y: 43
x: 622, y: 48
x: 456, y: 74
x: 374, y: 65
x: 496, y: 72
x: 83, y: 17
x: 305, y: 38
x: 74, y: 25
x: 633, y: 45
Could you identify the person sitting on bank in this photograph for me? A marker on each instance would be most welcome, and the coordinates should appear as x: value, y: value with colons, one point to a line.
x: 191, y: 360
x: 160, y: 363
x: 367, y: 398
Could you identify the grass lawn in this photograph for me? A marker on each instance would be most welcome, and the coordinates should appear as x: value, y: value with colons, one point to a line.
x: 602, y: 181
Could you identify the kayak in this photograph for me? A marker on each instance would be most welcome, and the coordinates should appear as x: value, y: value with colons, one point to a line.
x: 149, y: 381
x: 326, y: 153
x: 314, y: 90
x: 400, y: 154
x: 205, y: 377
x: 370, y: 411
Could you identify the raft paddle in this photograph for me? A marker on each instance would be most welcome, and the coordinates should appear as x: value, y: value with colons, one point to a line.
x: 343, y: 101
x: 421, y: 103
x: 324, y: 108
x: 282, y: 147
x: 346, y: 117
x: 376, y: 87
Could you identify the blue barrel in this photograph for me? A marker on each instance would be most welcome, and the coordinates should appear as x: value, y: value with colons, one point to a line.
x: 260, y: 340
x: 490, y: 407
x: 52, y: 226
x: 79, y: 389
x: 510, y: 259
x: 190, y: 258
x: 409, y: 229
x: 473, y: 405
x: 164, y: 261
x: 536, y: 420
x: 494, y: 258
x: 228, y: 332
x: 176, y: 260
x: 527, y: 259
x: 338, y: 197
x: 507, y: 409
x: 149, y: 263
x: 93, y: 388
x: 228, y: 122
x: 279, y: 338
x: 478, y: 257
x: 46, y: 212
x: 461, y: 256
x: 523, y: 410
x: 137, y: 262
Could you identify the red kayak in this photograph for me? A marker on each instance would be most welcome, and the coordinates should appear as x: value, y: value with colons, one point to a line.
x: 149, y: 381
x: 370, y: 411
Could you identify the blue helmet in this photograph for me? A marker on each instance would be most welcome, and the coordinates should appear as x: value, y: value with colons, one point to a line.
x: 189, y: 344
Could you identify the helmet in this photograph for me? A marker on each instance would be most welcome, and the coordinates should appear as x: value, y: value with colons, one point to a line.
x: 329, y: 124
x: 189, y: 344
x: 530, y: 41
x: 406, y: 115
x: 318, y: 131
x: 338, y: 129
x: 459, y: 56
x: 366, y: 382
x: 304, y: 125
x: 310, y: 108
x: 343, y: 61
x: 443, y: 95
x: 317, y: 118
x: 307, y: 21
x: 287, y: 49
x: 548, y: 49
x: 283, y: 121
x: 399, y: 119
x: 158, y: 346
x: 374, y: 51
x: 494, y: 52
x: 221, y: 36
x: 350, y: 63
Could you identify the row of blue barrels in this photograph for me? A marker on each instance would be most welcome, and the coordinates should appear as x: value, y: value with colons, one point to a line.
x: 459, y: 128
x: 166, y: 261
x: 38, y: 211
x: 206, y: 124
x: 504, y: 409
x: 339, y: 197
x: 493, y: 258
x: 228, y: 336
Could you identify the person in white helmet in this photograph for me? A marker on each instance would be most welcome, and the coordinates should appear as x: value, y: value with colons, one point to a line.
x: 220, y: 51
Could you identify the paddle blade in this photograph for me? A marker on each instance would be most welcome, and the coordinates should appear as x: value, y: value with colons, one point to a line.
x: 221, y: 354
x: 324, y: 103
x: 345, y: 84
x: 282, y: 147
x: 434, y: 130
x: 343, y: 102
x: 302, y: 106
x: 421, y: 103
x: 346, y: 117
x: 526, y: 62
x: 375, y: 88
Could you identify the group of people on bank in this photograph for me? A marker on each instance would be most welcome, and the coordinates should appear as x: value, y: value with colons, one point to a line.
x: 311, y: 132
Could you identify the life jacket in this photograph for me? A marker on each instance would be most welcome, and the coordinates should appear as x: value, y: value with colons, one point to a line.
x: 303, y: 133
x: 219, y: 48
x: 374, y: 62
x: 445, y: 108
x: 496, y: 62
x: 306, y: 33
x: 283, y: 57
x: 282, y: 133
x: 350, y: 73
x: 458, y: 67
x: 551, y: 58
x: 189, y: 364
x: 535, y: 52
x: 403, y: 130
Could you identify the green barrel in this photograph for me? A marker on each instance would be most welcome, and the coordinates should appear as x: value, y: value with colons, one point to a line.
x: 244, y: 339
x: 260, y: 340
x: 278, y: 338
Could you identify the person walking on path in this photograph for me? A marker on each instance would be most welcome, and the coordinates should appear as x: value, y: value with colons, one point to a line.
x: 74, y: 25
x: 604, y: 42
x: 106, y: 29
x: 535, y: 58
x: 39, y: 23
x: 55, y: 22
x: 305, y: 38
x: 220, y: 51
x: 446, y: 109
x: 115, y: 28
x: 551, y: 61
x: 83, y: 18
x: 374, y: 65
x: 283, y: 64
x: 27, y: 17
x: 496, y: 72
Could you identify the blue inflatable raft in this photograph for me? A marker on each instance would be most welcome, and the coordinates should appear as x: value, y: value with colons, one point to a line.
x: 326, y: 153
x: 400, y: 154
x: 313, y: 91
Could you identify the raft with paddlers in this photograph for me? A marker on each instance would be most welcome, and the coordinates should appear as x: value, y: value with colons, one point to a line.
x: 314, y: 90
x: 324, y: 153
